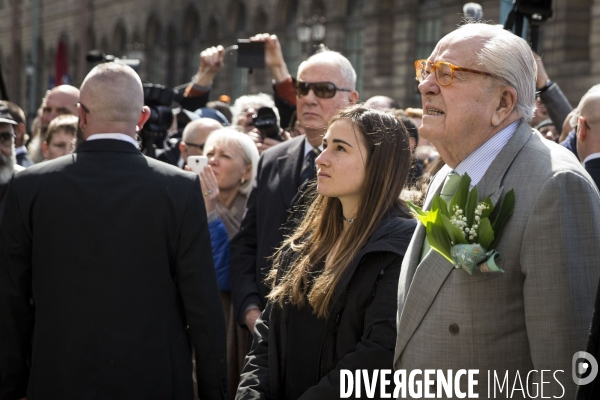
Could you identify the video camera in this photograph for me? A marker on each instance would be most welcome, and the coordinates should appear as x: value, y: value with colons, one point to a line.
x: 536, y: 12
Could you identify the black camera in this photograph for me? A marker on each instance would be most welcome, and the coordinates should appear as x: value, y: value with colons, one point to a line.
x: 535, y: 12
x: 265, y: 121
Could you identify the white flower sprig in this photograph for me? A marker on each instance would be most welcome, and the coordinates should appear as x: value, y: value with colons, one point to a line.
x: 464, y: 220
x: 460, y: 221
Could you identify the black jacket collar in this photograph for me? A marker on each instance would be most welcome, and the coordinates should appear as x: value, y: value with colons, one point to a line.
x: 107, y: 145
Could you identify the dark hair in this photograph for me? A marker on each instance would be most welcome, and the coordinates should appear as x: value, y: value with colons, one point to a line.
x: 386, y: 171
x: 222, y: 107
x: 408, y: 123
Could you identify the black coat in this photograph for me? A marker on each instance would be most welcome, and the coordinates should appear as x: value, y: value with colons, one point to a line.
x: 114, y: 249
x: 591, y: 391
x: 360, y: 332
x: 593, y: 168
x: 267, y: 209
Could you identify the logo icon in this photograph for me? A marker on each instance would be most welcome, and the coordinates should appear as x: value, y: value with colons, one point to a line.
x: 585, y: 368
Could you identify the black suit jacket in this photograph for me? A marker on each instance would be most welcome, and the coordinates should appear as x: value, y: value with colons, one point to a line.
x: 593, y: 168
x: 113, y: 249
x: 268, y: 206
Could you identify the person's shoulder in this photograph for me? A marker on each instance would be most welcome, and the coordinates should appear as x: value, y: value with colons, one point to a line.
x: 547, y: 158
x: 393, y: 234
x: 44, y: 167
x: 285, y: 148
x: 169, y: 170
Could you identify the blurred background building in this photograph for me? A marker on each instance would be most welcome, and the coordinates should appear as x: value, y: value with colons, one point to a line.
x: 44, y: 42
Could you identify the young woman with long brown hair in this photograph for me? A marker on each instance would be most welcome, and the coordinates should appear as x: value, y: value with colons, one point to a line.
x: 334, y: 279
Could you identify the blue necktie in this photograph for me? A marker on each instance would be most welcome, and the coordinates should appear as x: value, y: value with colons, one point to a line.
x: 308, y: 167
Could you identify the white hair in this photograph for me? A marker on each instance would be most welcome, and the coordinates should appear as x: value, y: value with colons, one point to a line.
x: 329, y: 56
x: 252, y: 100
x: 240, y: 140
x: 510, y: 59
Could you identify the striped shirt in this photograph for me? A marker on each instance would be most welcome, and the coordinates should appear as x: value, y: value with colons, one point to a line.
x: 478, y: 162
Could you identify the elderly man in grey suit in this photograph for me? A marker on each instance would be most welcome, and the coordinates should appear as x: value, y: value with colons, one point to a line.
x: 521, y: 328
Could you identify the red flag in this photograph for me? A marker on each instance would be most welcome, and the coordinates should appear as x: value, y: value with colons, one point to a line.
x: 61, y: 65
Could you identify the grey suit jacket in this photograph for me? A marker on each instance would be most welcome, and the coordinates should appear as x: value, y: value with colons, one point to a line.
x: 534, y: 316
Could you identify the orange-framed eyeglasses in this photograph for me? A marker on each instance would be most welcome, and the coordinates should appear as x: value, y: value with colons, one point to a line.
x: 444, y: 71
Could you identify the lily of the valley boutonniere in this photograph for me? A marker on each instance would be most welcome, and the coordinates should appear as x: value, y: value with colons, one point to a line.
x: 466, y: 231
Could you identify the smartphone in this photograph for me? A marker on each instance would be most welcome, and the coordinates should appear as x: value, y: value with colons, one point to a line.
x: 250, y: 54
x: 197, y: 163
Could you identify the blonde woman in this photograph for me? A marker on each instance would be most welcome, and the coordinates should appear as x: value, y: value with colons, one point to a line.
x: 226, y: 183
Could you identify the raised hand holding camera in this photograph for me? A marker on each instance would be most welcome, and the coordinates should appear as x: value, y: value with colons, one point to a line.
x: 211, y: 62
x: 273, y: 56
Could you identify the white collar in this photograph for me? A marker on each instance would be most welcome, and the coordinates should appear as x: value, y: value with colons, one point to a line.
x: 114, y: 136
x: 478, y: 162
x: 591, y: 157
x: 308, y: 147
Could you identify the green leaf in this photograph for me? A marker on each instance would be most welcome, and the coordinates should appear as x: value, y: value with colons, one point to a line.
x: 460, y: 197
x: 506, y: 209
x: 438, y: 239
x: 415, y: 209
x: 439, y: 204
x: 454, y: 232
x: 485, y: 233
x: 486, y: 213
x: 469, y: 209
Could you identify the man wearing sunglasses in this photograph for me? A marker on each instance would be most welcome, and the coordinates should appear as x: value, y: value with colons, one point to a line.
x: 193, y: 138
x: 528, y: 320
x: 325, y: 84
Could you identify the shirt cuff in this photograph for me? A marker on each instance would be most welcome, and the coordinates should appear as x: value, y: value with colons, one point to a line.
x: 194, y: 90
x: 285, y: 90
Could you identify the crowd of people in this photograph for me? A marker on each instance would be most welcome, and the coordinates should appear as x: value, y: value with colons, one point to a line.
x: 293, y: 255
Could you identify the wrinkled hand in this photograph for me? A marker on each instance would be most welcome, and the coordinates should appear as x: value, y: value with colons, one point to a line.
x: 273, y: 56
x: 210, y: 189
x: 211, y: 62
x: 542, y: 76
x: 251, y: 317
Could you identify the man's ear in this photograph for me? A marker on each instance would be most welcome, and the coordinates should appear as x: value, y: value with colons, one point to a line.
x: 182, y: 149
x: 82, y: 116
x: 506, y: 105
x: 582, y: 128
x: 20, y: 130
x: 353, y: 97
x: 143, y: 118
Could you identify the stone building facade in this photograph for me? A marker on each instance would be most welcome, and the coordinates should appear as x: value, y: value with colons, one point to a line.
x: 382, y: 38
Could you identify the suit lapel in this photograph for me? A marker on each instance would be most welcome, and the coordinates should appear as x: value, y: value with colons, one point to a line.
x: 429, y: 278
x: 289, y: 166
x: 410, y: 263
x: 420, y: 283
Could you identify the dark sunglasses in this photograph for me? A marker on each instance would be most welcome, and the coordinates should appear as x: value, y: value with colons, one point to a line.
x: 6, y: 137
x: 200, y: 146
x: 324, y: 90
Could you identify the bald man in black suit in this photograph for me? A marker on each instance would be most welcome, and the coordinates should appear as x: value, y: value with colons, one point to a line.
x: 115, y: 292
